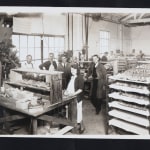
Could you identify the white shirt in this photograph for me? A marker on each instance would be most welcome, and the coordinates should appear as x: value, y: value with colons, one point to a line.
x: 70, y: 88
x: 27, y: 65
x: 51, y: 67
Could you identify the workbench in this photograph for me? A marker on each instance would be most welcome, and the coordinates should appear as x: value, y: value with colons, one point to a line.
x: 43, y: 115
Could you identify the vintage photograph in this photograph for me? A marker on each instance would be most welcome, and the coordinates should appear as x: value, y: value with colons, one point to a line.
x: 74, y: 72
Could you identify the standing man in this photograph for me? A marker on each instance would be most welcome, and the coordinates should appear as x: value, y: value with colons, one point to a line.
x: 98, y: 84
x: 50, y: 64
x: 28, y: 64
x: 65, y: 67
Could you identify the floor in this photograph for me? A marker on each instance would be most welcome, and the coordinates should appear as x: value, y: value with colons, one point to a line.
x: 94, y: 124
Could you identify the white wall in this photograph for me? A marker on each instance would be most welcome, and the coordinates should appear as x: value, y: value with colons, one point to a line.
x: 56, y: 24
x: 141, y: 39
x: 119, y: 36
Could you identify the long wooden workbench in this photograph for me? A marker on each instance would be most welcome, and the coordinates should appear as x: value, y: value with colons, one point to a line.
x: 42, y: 115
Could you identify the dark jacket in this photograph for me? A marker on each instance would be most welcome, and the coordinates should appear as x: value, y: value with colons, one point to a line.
x: 101, y: 79
x: 79, y: 84
x: 66, y: 74
x: 47, y: 65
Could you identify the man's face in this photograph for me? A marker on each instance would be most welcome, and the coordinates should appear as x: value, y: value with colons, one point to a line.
x: 64, y: 59
x: 51, y: 57
x: 95, y: 59
x: 29, y: 59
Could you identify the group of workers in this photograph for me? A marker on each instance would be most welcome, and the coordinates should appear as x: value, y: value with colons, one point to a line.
x: 73, y: 82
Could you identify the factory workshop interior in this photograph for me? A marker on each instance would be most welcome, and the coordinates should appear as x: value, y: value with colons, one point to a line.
x: 74, y: 73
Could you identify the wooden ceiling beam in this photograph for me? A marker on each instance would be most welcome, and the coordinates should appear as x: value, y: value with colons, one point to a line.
x: 144, y: 20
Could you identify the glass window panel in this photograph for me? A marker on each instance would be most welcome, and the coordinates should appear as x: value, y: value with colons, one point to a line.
x: 45, y: 52
x: 51, y: 42
x: 57, y: 42
x: 23, y: 41
x: 37, y: 53
x: 37, y: 41
x: 61, y: 42
x: 23, y: 53
x: 37, y: 63
x: 52, y: 50
x: 30, y: 41
x: 45, y: 42
x: 31, y: 52
x: 15, y: 40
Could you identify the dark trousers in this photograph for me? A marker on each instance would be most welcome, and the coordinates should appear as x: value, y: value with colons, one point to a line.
x: 94, y: 100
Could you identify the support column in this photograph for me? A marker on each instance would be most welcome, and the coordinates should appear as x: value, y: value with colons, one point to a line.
x: 41, y: 49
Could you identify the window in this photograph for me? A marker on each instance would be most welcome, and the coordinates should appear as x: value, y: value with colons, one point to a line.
x: 26, y: 44
x: 104, y: 41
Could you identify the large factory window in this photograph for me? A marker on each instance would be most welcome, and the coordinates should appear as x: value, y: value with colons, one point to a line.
x: 104, y: 41
x: 27, y: 44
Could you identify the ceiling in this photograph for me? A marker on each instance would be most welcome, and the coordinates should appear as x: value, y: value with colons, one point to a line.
x: 127, y: 19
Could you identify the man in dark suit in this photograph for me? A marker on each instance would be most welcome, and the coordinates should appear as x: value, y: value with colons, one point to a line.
x: 50, y: 64
x: 98, y: 83
x: 65, y: 67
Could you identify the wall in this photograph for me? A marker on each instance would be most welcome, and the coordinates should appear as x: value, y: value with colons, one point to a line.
x: 57, y: 24
x: 119, y: 36
x: 141, y: 39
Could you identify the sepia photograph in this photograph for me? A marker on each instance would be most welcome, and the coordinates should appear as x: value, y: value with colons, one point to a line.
x: 74, y: 72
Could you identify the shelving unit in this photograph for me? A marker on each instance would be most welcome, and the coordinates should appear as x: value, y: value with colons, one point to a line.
x: 128, y: 105
x: 50, y: 87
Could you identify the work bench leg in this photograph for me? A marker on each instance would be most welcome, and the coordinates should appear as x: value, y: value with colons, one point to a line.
x: 34, y: 125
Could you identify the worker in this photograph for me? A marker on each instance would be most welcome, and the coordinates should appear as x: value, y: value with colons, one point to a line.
x: 75, y: 87
x: 50, y: 64
x: 64, y: 67
x: 28, y: 64
x: 98, y: 84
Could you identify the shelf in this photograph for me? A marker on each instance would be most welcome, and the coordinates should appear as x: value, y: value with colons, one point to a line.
x: 129, y: 89
x: 116, y: 95
x: 129, y: 127
x: 118, y: 105
x: 129, y: 117
x: 128, y: 80
x: 38, y: 71
x: 28, y: 86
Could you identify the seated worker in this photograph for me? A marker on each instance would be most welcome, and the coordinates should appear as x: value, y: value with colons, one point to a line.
x: 28, y: 64
x: 75, y: 87
x: 64, y: 66
x: 50, y: 64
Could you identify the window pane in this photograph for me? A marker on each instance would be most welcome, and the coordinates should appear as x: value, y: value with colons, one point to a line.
x: 30, y: 41
x: 31, y: 52
x: 57, y: 43
x: 23, y: 41
x: 15, y: 40
x: 23, y: 53
x: 37, y: 41
x: 45, y: 42
x: 61, y: 42
x: 37, y: 53
x: 37, y: 63
x: 51, y: 42
x: 45, y: 53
